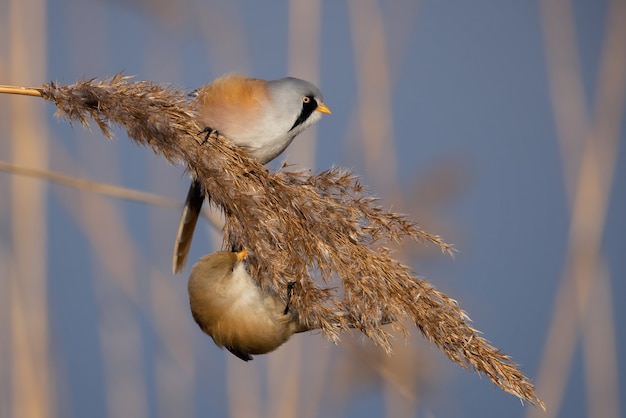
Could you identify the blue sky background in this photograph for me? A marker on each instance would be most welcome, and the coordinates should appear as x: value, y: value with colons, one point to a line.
x: 478, y: 161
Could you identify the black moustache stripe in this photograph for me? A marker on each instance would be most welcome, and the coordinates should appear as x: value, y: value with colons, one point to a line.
x: 307, y: 110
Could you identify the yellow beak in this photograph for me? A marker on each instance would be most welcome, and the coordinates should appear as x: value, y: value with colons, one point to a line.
x: 241, y: 255
x: 323, y: 108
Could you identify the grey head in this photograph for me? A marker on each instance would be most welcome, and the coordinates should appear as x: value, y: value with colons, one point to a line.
x: 300, y: 98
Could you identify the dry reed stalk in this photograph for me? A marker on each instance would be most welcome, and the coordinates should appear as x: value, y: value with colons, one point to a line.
x: 90, y: 185
x: 298, y: 227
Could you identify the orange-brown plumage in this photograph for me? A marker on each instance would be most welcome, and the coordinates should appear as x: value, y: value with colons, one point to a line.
x: 229, y: 100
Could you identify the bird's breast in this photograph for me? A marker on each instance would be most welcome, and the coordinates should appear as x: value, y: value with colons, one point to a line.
x: 237, y: 314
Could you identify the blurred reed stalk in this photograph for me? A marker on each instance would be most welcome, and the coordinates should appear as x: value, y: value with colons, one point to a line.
x: 373, y: 125
x: 298, y: 227
x: 90, y: 186
x: 589, y: 142
x: 26, y: 336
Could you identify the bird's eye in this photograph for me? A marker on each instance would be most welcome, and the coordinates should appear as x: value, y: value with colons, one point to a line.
x: 306, y: 99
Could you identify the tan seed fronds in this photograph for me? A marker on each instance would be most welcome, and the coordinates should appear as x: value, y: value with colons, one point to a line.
x: 298, y: 227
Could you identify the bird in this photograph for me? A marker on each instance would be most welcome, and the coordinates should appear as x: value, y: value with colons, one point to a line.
x: 230, y: 306
x: 259, y: 116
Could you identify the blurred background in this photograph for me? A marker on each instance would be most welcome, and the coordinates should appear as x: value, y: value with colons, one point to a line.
x: 498, y: 125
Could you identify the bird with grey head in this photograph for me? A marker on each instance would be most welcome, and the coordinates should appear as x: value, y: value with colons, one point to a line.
x: 261, y: 117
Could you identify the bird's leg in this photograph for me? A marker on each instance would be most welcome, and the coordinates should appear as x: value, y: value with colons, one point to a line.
x: 208, y: 131
x: 290, y: 286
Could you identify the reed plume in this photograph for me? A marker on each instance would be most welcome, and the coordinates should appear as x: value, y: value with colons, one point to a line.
x: 322, y: 231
